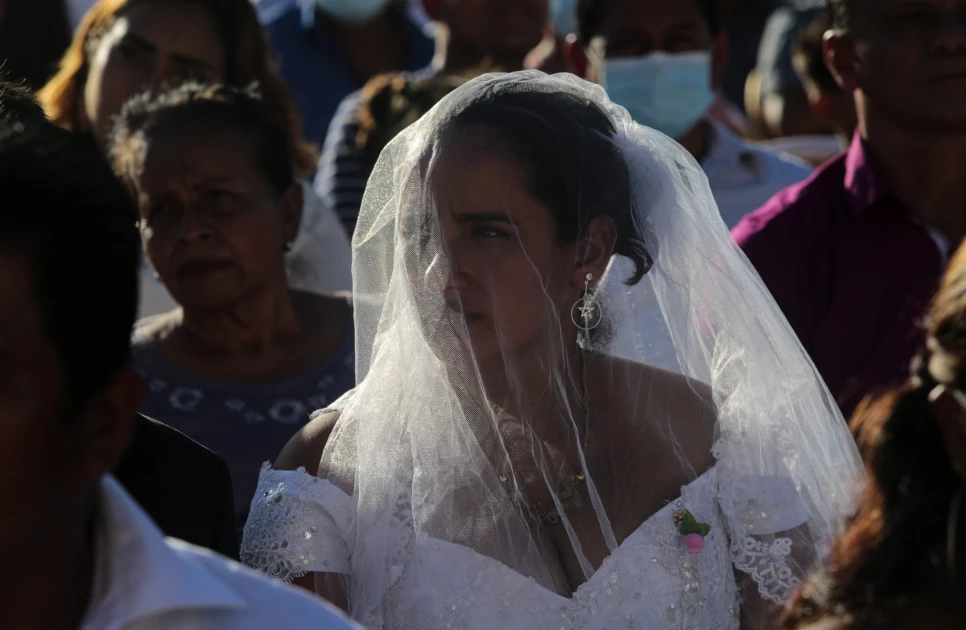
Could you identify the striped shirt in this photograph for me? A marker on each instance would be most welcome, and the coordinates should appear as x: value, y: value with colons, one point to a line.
x: 343, y: 173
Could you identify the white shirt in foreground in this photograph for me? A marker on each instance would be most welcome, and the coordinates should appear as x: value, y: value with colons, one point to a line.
x: 145, y: 582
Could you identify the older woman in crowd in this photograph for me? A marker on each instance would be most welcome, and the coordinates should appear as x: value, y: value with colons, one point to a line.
x: 123, y: 47
x: 902, y: 561
x: 246, y: 358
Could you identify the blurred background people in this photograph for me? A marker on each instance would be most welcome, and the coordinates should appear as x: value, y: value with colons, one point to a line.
x: 245, y: 359
x: 86, y: 555
x: 33, y: 36
x: 126, y: 46
x: 550, y: 55
x: 853, y: 255
x: 774, y: 96
x: 270, y: 9
x: 901, y: 563
x: 743, y: 22
x: 76, y: 9
x: 184, y: 487
x: 825, y: 96
x: 560, y: 52
x: 494, y: 33
x: 473, y: 36
x: 327, y: 49
x: 828, y: 100
x: 661, y: 60
x: 392, y: 102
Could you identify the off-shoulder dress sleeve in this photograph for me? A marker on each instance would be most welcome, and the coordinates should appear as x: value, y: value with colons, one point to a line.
x: 298, y: 524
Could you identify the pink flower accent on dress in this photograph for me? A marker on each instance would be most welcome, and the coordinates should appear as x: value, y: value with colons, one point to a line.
x: 694, y: 543
x: 692, y: 530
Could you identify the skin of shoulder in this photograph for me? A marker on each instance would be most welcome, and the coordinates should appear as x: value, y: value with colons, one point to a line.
x: 652, y: 433
x: 660, y: 406
x: 306, y: 447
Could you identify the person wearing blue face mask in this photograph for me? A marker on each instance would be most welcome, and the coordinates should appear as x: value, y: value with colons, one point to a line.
x: 661, y: 60
x: 327, y: 49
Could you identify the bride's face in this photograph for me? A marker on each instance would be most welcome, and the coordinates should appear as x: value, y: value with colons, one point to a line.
x: 511, y: 279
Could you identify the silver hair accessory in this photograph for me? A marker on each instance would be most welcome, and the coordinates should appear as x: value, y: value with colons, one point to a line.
x: 586, y: 313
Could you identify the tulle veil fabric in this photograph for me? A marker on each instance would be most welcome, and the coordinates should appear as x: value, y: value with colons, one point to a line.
x: 428, y: 452
x: 320, y: 257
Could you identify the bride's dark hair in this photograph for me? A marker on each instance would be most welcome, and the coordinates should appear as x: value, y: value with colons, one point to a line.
x: 566, y: 147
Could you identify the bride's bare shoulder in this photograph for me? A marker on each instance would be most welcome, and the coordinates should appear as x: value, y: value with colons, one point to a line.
x: 640, y: 383
x: 306, y: 447
x: 664, y: 408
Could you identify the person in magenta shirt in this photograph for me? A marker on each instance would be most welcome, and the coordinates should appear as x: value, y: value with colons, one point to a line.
x: 854, y: 254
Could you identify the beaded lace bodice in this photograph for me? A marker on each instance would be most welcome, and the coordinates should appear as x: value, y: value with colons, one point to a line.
x: 302, y: 524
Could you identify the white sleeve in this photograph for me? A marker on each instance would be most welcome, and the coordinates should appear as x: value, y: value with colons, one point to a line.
x: 765, y: 516
x: 298, y: 524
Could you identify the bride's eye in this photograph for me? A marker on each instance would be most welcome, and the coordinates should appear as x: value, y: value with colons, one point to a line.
x: 483, y: 230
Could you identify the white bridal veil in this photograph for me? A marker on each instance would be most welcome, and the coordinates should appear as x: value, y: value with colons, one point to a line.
x: 493, y: 414
x: 319, y: 259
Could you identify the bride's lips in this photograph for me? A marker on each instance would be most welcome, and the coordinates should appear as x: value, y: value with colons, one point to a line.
x: 202, y: 268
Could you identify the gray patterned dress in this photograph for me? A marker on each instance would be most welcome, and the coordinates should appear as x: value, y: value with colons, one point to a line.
x: 246, y: 424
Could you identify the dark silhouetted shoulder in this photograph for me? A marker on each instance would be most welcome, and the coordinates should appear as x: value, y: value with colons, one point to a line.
x: 183, y: 486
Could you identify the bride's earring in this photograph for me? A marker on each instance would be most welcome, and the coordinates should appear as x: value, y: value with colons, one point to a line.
x: 586, y: 313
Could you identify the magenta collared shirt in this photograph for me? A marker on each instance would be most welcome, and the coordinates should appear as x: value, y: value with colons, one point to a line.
x: 852, y: 270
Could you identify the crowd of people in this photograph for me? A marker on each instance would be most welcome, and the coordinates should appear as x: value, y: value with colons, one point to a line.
x: 483, y: 313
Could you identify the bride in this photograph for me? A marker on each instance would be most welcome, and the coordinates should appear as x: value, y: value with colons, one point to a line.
x: 497, y: 465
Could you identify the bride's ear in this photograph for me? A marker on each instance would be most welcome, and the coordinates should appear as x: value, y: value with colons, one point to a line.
x: 595, y: 248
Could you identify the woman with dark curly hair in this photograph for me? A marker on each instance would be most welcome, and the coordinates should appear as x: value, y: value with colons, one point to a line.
x: 901, y: 562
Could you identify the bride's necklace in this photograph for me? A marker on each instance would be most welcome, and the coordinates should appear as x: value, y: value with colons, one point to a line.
x: 568, y: 494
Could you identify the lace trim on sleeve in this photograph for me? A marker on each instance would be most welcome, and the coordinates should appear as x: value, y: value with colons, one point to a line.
x: 298, y: 524
x: 768, y: 527
x: 767, y: 561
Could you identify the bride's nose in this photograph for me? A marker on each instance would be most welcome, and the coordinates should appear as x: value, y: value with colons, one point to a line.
x: 451, y: 268
x: 457, y: 283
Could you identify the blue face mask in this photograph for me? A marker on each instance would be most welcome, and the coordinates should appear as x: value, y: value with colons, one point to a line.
x: 667, y: 92
x: 352, y: 11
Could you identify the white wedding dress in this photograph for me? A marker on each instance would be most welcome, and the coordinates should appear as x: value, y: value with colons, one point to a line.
x: 301, y: 524
x: 496, y: 449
